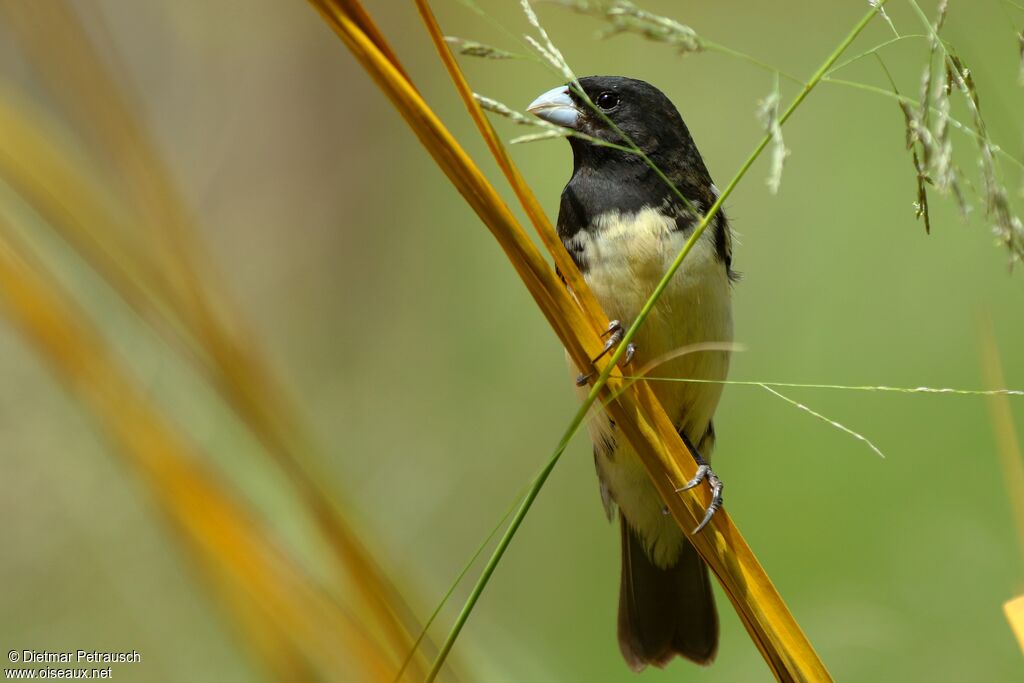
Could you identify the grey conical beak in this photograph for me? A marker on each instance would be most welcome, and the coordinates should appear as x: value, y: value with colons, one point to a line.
x: 555, y: 106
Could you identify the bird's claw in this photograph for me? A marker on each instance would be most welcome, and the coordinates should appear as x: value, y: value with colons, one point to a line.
x: 615, y: 333
x: 630, y: 352
x: 704, y: 472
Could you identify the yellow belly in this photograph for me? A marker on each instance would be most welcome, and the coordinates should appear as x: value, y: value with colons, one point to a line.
x: 626, y: 259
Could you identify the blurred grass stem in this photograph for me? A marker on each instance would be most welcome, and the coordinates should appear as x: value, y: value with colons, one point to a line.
x: 1007, y: 442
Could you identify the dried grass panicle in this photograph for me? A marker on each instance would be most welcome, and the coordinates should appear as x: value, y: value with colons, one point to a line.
x: 880, y: 8
x: 535, y: 137
x: 920, y: 142
x: 548, y: 130
x: 931, y: 148
x: 768, y: 113
x: 933, y: 47
x: 1020, y: 49
x: 1005, y: 224
x: 943, y: 171
x: 625, y: 17
x: 548, y: 51
x: 472, y: 48
x: 928, y: 139
x: 501, y: 109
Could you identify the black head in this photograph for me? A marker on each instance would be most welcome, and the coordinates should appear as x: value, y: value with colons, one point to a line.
x: 620, y: 108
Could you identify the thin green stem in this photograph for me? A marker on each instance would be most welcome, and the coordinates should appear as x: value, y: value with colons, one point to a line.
x: 479, y: 11
x: 888, y: 74
x: 612, y: 363
x: 881, y: 388
x: 725, y: 50
x: 872, y: 51
x: 451, y: 589
x: 535, y: 486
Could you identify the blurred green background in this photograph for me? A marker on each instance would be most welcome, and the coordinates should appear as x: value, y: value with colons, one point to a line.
x: 435, y: 386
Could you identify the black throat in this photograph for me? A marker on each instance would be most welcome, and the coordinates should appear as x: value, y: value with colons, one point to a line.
x: 606, y: 181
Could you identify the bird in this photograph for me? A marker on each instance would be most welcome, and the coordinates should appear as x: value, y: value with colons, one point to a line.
x: 623, y: 223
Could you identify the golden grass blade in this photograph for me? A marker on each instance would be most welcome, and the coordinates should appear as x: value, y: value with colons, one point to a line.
x: 292, y: 614
x: 1007, y: 443
x: 561, y: 313
x: 1009, y: 457
x: 1014, y: 610
x: 775, y: 633
x: 524, y: 192
x: 366, y: 25
x: 39, y: 167
x: 169, y: 282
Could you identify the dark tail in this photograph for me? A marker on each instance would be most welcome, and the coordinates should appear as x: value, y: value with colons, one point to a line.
x: 664, y: 612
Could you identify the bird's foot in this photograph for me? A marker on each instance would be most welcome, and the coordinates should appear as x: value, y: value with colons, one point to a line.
x: 615, y: 332
x: 704, y: 472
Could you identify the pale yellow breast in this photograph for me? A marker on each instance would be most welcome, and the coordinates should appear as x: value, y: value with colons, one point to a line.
x: 626, y: 259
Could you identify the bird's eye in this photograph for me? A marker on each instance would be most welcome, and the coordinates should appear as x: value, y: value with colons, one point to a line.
x: 607, y: 100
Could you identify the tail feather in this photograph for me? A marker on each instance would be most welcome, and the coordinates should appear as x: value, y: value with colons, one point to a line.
x: 664, y: 612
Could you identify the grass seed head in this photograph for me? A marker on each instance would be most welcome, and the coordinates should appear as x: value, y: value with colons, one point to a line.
x: 471, y: 48
x: 625, y: 17
x: 768, y: 113
x: 1020, y: 49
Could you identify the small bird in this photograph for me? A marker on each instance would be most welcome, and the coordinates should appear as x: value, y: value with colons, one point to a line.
x: 623, y: 225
